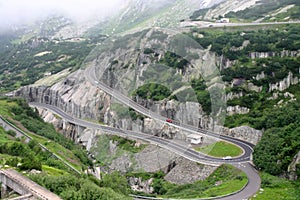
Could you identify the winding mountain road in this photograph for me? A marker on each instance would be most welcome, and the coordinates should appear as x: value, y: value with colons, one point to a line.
x: 253, y: 178
x: 242, y: 162
x: 246, y: 146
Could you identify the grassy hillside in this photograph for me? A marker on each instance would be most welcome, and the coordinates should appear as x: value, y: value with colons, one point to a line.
x: 269, y: 10
x: 26, y: 62
x: 139, y: 15
x: 225, y: 180
x: 264, y: 10
x: 56, y: 176
x: 277, y: 188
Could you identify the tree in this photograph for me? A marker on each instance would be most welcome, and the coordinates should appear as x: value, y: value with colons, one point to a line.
x: 116, y: 181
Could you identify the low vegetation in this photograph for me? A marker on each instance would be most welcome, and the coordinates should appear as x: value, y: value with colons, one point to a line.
x: 17, y: 111
x: 26, y: 62
x: 225, y: 42
x: 278, y: 117
x: 173, y: 60
x: 264, y: 10
x: 277, y: 188
x: 104, y: 152
x: 221, y: 149
x: 83, y: 188
x: 152, y: 91
x: 261, y: 10
x: 26, y: 155
x: 225, y: 180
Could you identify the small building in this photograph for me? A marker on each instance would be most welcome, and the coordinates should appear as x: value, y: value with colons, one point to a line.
x: 195, y: 138
x: 225, y: 20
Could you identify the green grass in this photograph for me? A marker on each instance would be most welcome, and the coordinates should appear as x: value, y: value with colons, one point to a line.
x: 5, y: 107
x: 227, y: 187
x: 5, y: 159
x: 276, y: 188
x: 51, y: 171
x: 221, y: 149
x: 4, y: 137
x: 225, y: 180
x: 56, y: 148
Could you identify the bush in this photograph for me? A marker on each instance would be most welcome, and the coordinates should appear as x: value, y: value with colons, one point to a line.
x: 148, y: 51
x: 29, y: 164
x: 11, y: 133
x: 115, y: 181
x: 152, y: 91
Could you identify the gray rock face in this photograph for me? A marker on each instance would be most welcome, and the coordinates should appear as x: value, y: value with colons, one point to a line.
x: 224, y: 62
x: 285, y: 83
x: 293, y: 167
x: 122, y: 164
x: 284, y: 53
x: 66, y: 95
x: 226, y: 6
x: 186, y: 171
x: 245, y: 133
x: 74, y: 95
x: 137, y: 184
x: 232, y: 95
x: 153, y: 159
x: 231, y: 110
x: 81, y: 99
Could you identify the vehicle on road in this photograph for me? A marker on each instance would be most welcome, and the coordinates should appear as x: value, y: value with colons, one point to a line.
x: 227, y: 158
x: 169, y: 121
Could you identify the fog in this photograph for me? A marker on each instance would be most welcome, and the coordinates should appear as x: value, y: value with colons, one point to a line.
x: 13, y: 12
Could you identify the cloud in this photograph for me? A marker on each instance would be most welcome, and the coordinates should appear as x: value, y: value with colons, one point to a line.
x: 24, y: 11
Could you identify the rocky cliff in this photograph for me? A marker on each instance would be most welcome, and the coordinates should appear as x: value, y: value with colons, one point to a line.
x: 244, y: 133
x: 285, y: 83
x: 124, y: 67
x: 294, y: 168
x: 284, y: 53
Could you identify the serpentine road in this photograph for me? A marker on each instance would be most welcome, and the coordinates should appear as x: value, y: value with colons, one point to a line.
x: 241, y: 162
x: 253, y: 178
x: 246, y: 146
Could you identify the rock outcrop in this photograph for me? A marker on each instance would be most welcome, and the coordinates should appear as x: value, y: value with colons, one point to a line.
x: 293, y: 167
x: 284, y: 53
x: 137, y: 184
x: 245, y: 133
x: 186, y: 171
x: 285, y: 83
x: 231, y: 110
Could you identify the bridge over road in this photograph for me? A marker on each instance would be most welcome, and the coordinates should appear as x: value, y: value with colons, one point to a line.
x: 22, y: 185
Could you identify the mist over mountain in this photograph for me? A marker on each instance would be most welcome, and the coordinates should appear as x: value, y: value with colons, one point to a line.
x: 17, y: 12
x: 127, y: 13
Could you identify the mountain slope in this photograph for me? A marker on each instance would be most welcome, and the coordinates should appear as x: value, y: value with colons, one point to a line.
x: 154, y: 13
x: 251, y: 10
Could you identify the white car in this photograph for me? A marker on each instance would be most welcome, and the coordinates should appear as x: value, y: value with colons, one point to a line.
x: 227, y: 158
